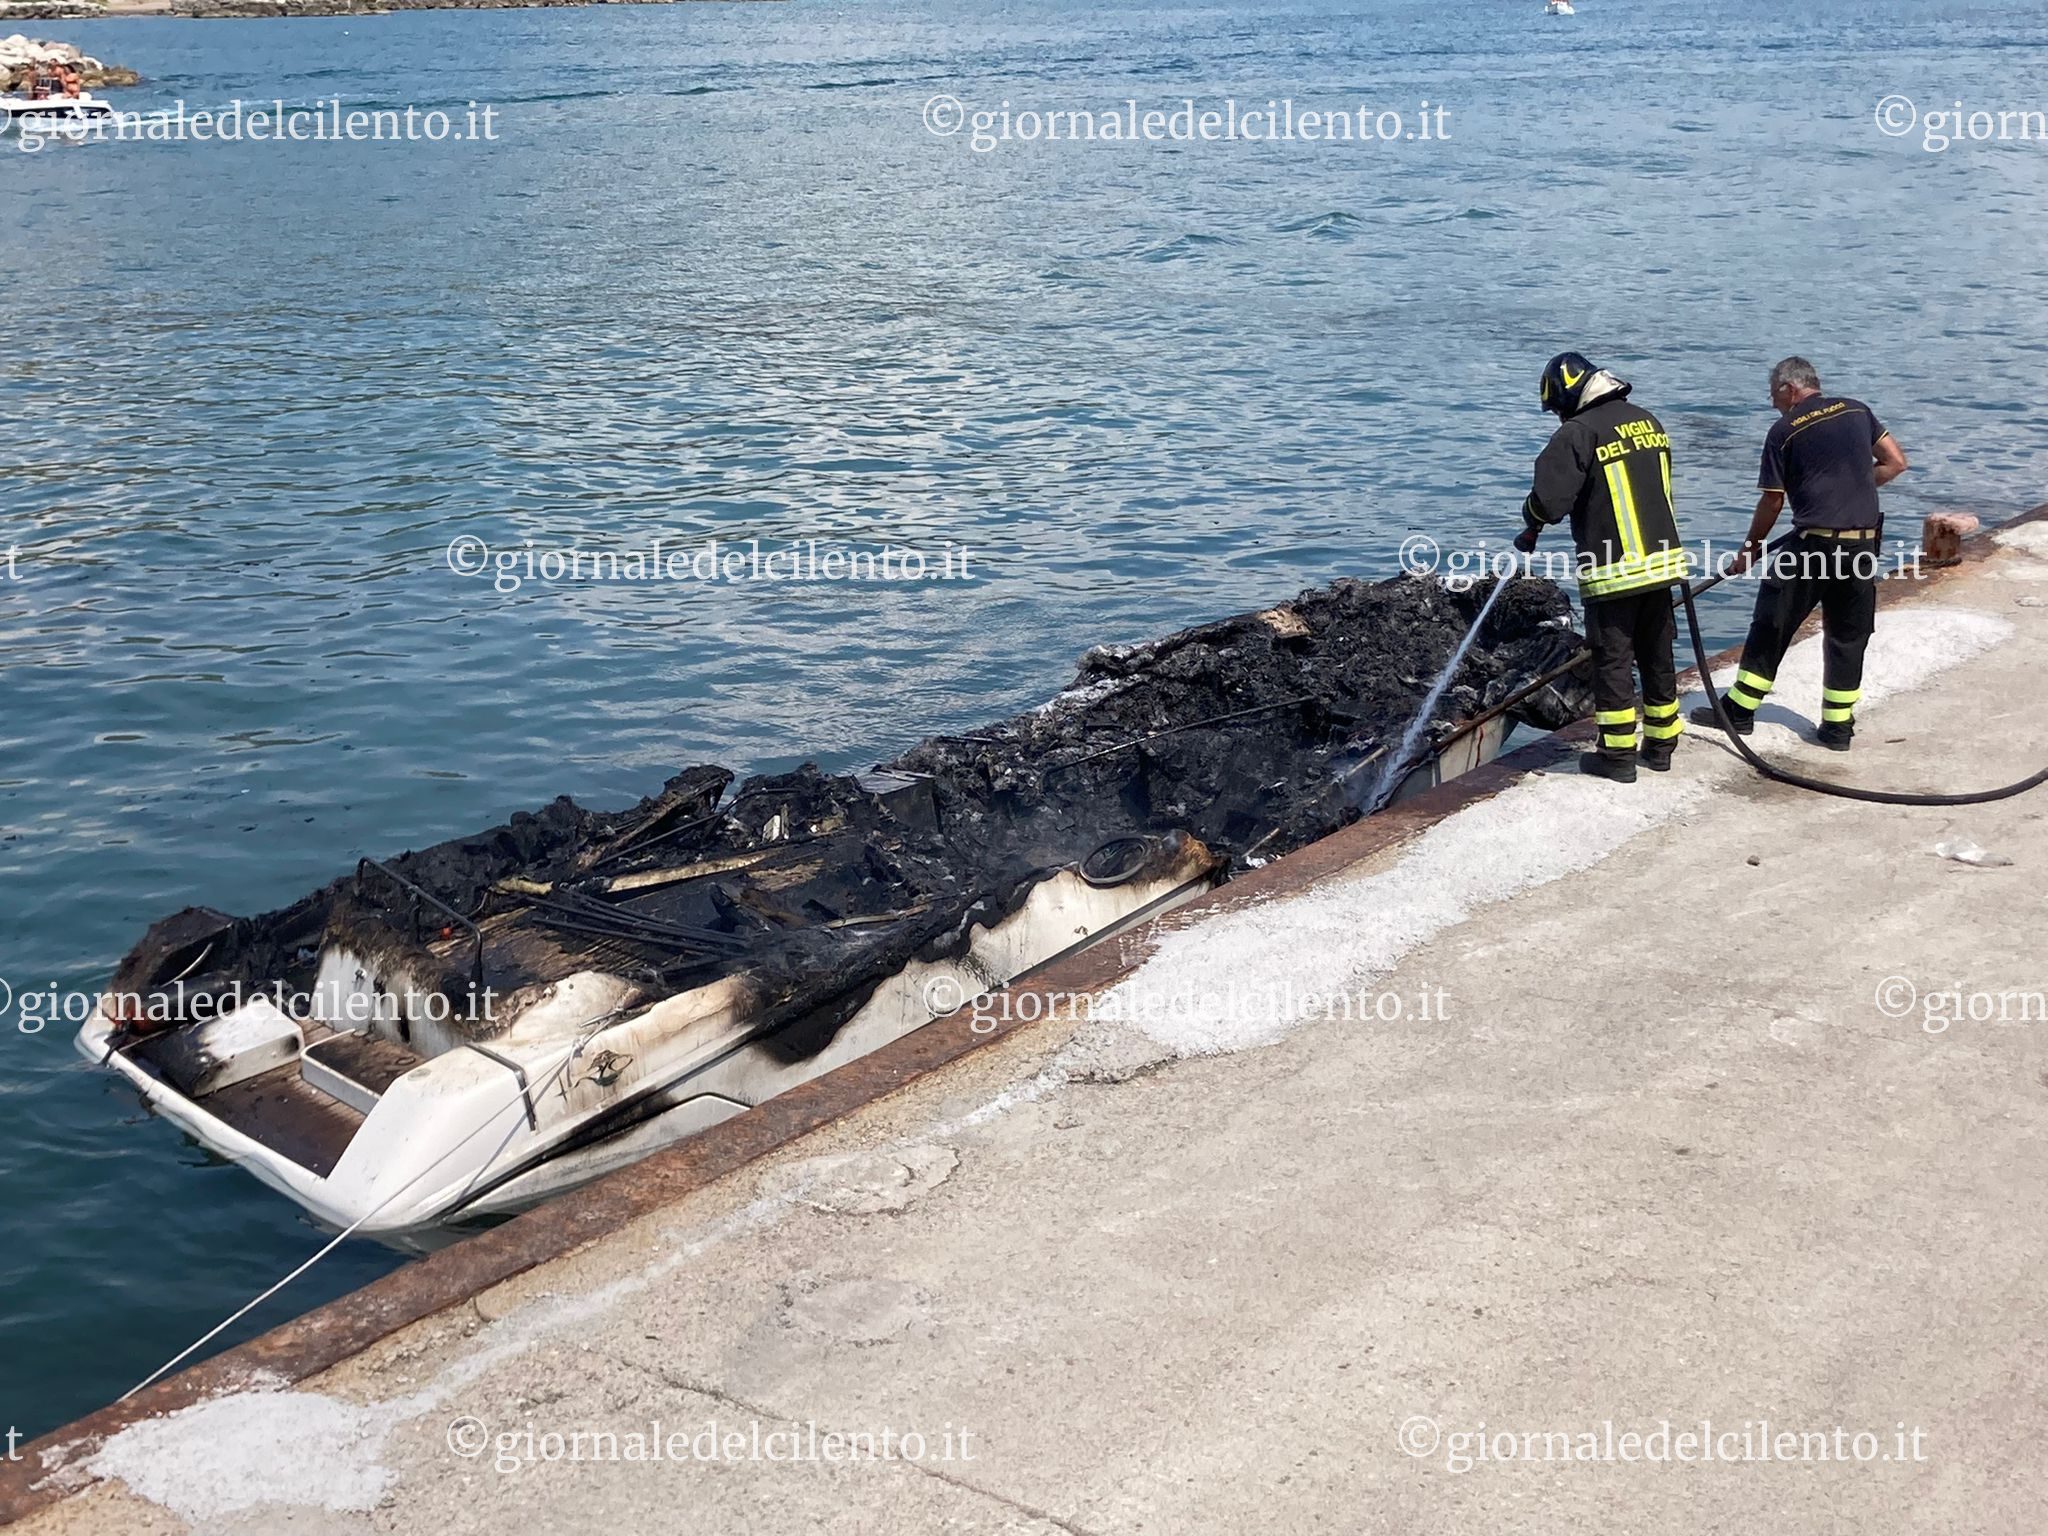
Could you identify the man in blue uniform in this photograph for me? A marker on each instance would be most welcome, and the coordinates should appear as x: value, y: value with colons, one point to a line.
x: 1607, y: 469
x: 1828, y: 455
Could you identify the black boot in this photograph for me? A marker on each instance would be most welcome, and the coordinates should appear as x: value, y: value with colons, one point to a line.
x: 1656, y: 755
x: 1741, y: 721
x: 1835, y: 738
x: 1606, y: 765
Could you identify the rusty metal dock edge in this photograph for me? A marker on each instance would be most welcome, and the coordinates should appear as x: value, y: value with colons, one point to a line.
x: 46, y: 1471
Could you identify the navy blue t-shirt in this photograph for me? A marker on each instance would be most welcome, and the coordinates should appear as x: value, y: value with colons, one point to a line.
x: 1821, y: 455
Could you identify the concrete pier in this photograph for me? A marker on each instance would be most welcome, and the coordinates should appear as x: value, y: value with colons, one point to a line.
x: 1556, y: 1156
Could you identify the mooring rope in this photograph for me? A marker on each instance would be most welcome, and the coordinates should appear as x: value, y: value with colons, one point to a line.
x: 585, y: 1035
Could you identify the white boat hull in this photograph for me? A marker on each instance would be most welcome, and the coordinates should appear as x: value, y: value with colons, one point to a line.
x: 54, y: 114
x: 562, y: 1096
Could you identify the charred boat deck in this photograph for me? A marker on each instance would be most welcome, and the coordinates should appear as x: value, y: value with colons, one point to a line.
x: 468, y: 1029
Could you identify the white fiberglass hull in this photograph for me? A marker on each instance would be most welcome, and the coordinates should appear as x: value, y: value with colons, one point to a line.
x: 575, y: 1087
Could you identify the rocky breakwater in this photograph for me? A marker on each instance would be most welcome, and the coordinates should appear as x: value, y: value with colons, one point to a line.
x: 21, y: 58
x: 256, y: 8
x: 72, y: 10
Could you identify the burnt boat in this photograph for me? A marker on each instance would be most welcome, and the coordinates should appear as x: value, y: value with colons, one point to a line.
x: 463, y: 1031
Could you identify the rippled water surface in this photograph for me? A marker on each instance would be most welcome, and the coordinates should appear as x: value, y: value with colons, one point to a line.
x: 716, y: 279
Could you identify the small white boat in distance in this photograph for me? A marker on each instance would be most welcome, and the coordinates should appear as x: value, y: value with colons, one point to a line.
x: 52, y: 114
x: 1559, y: 8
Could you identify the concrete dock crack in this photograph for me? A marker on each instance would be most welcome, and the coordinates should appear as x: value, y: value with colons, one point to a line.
x: 679, y: 1381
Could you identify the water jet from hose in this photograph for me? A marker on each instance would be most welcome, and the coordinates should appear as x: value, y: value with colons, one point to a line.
x: 1396, y: 765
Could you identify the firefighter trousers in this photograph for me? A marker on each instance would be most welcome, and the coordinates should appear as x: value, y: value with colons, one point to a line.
x: 1633, y: 633
x: 1808, y: 570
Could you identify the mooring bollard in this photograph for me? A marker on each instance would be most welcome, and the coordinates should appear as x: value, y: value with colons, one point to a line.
x: 1942, y: 535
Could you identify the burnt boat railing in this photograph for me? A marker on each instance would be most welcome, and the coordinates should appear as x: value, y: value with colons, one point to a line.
x: 422, y: 897
x: 569, y: 910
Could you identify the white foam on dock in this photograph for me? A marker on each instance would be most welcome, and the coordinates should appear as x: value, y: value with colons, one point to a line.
x: 251, y: 1448
x: 2026, y: 538
x: 272, y: 1447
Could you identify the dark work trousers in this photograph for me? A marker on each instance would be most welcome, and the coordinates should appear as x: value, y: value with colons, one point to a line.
x: 1839, y: 575
x: 1631, y: 633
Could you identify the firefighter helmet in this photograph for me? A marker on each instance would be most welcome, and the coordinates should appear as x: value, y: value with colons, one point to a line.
x: 1563, y: 380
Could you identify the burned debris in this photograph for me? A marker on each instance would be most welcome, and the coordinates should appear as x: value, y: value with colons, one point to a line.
x: 1240, y: 737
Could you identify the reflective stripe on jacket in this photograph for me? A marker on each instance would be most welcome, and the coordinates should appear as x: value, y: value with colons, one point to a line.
x: 1608, y: 470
